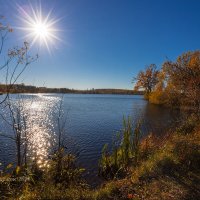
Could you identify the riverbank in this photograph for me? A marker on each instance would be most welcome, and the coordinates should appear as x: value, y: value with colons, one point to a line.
x: 168, y: 169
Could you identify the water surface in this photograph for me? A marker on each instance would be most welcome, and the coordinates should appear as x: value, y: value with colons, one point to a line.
x: 91, y: 121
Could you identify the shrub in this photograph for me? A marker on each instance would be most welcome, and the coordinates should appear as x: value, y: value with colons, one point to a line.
x: 63, y: 169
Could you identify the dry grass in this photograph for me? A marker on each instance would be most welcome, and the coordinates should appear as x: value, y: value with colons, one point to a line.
x: 168, y: 169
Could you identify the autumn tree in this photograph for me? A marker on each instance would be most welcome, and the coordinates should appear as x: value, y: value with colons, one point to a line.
x: 183, y: 79
x: 147, y: 80
x: 177, y: 84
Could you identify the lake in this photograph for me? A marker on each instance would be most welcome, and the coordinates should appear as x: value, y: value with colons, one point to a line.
x: 91, y: 121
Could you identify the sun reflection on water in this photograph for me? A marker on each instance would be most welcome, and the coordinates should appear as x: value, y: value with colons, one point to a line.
x: 41, y: 135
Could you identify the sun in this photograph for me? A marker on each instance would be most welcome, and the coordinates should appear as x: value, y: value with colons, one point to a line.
x: 39, y: 27
x: 41, y: 30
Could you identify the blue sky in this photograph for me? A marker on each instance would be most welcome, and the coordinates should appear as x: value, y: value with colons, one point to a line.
x: 107, y: 42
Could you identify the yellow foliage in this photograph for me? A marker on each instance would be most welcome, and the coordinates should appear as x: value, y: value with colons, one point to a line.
x: 17, y: 170
x: 157, y: 97
x: 194, y: 61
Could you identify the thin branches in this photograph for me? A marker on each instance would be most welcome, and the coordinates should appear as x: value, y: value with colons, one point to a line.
x: 17, y: 60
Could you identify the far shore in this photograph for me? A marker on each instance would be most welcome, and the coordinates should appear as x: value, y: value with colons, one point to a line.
x: 21, y: 88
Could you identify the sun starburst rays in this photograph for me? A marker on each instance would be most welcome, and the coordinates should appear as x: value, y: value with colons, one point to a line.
x: 39, y: 28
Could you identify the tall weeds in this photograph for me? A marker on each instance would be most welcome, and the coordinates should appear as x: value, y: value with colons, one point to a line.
x: 125, y: 150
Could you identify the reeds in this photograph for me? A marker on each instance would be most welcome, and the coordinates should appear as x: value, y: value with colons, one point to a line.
x: 125, y: 150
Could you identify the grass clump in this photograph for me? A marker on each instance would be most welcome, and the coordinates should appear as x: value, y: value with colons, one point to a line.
x: 125, y: 150
x: 60, y: 180
x: 63, y: 170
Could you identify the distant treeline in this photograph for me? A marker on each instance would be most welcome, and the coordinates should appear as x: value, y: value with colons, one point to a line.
x: 22, y: 88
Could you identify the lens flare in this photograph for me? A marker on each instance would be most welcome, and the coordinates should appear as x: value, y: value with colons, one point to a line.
x: 38, y: 27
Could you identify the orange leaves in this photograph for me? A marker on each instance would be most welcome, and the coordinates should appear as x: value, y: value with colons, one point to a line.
x: 177, y: 83
x: 194, y: 63
x: 183, y: 79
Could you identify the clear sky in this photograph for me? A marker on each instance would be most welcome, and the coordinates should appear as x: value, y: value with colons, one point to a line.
x: 106, y: 42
